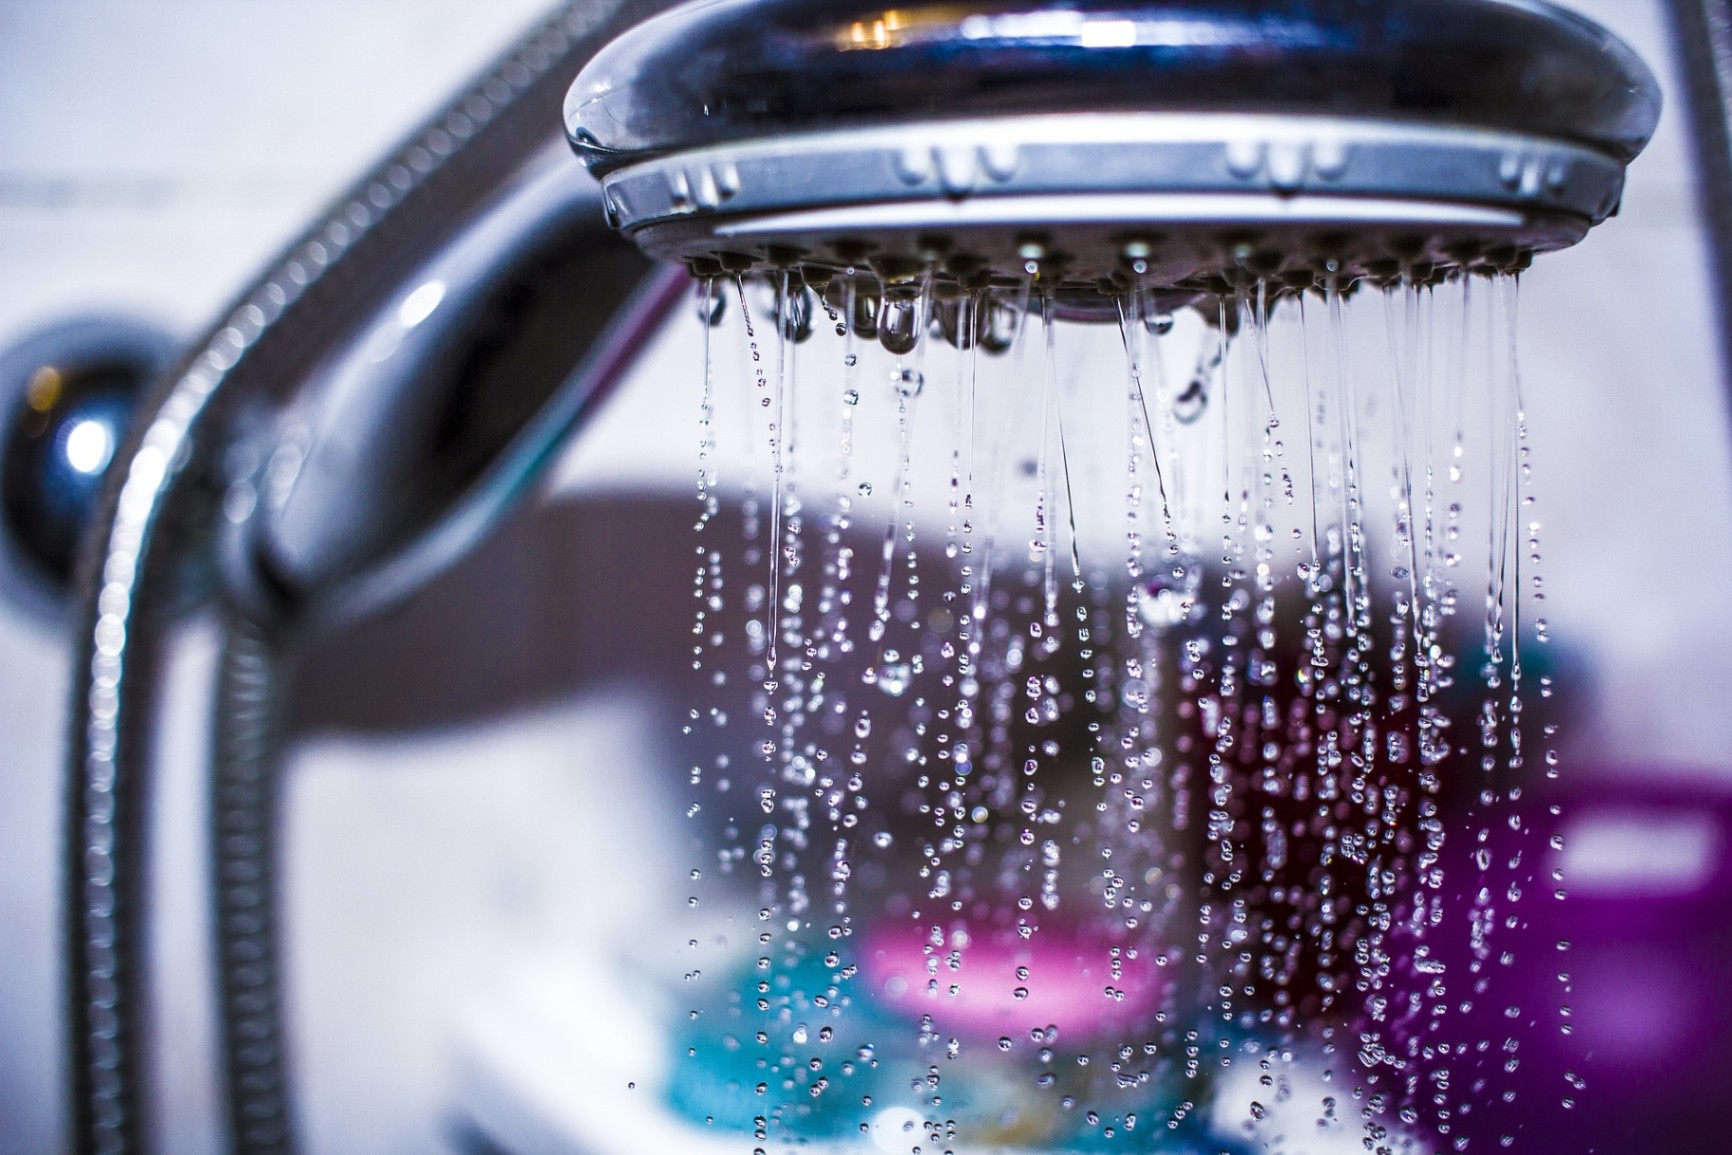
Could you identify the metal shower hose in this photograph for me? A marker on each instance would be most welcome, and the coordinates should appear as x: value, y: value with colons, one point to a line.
x: 150, y: 524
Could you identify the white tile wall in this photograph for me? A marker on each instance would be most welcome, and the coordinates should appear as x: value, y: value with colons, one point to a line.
x: 154, y: 152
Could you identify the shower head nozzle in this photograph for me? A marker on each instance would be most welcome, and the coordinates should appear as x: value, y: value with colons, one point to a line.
x: 1182, y: 145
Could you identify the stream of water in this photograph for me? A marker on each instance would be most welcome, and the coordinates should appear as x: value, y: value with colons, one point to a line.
x: 1113, y: 731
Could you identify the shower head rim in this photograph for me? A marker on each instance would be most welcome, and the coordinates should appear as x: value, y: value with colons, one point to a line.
x: 1384, y: 183
x: 1062, y: 154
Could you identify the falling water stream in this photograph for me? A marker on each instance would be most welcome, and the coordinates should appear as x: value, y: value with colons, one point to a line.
x: 1102, y: 744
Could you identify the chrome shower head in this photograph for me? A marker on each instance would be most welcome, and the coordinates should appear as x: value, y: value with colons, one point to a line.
x: 1185, y: 146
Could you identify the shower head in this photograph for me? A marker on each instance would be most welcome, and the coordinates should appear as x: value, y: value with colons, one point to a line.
x: 1185, y: 146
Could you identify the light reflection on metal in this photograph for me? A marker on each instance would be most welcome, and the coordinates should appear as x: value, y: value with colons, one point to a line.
x: 419, y: 305
x: 879, y: 32
x: 89, y: 446
x: 43, y: 392
x: 895, y: 28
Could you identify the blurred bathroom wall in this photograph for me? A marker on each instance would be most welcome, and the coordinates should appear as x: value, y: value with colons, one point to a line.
x: 1626, y: 390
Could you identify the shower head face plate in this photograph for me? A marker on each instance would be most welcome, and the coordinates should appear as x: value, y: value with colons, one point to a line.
x: 1180, y: 200
x: 1186, y: 146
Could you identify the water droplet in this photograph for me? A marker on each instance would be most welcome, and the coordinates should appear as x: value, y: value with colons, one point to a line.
x: 865, y: 319
x: 797, y: 324
x: 1188, y: 406
x: 1166, y: 600
x: 712, y: 305
x: 894, y: 678
x: 899, y: 324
